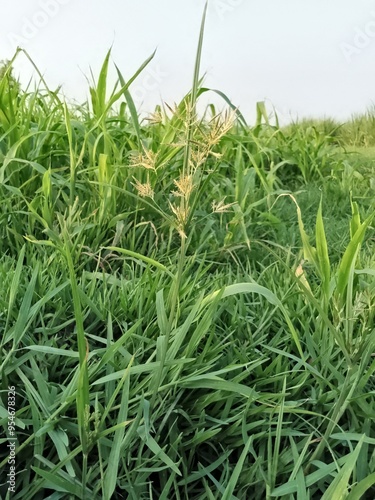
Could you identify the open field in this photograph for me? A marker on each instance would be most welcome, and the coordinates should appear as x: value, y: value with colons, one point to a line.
x: 187, y: 303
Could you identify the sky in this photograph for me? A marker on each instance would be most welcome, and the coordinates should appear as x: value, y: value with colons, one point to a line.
x: 304, y: 58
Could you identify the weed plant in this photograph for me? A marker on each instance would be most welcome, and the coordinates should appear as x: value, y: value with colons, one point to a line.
x: 176, y: 319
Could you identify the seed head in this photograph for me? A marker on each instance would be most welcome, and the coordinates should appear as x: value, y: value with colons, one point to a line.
x: 220, y: 207
x: 181, y: 213
x: 155, y: 118
x: 146, y: 159
x: 185, y: 186
x: 220, y: 126
x: 144, y: 190
x: 198, y: 157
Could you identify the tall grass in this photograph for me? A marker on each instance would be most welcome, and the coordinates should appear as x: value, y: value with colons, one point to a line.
x: 163, y: 335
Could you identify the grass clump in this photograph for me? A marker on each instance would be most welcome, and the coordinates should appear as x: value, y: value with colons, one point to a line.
x: 187, y: 303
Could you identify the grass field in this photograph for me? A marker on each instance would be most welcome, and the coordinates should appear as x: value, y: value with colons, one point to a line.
x: 187, y: 302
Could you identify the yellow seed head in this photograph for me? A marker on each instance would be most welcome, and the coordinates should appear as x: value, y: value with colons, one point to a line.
x: 185, y: 186
x: 147, y: 160
x: 220, y: 207
x: 155, y: 118
x: 198, y: 157
x: 144, y: 190
x: 220, y: 125
x: 181, y: 214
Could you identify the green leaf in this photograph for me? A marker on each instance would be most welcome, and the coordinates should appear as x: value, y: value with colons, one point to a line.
x: 322, y: 253
x: 155, y: 448
x: 229, y: 490
x: 349, y: 257
x: 338, y: 489
x: 358, y: 491
x: 143, y: 258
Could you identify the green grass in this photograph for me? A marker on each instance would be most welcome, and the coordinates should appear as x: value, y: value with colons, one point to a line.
x: 187, y: 304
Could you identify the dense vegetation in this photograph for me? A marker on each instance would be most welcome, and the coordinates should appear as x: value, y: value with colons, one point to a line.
x: 187, y: 302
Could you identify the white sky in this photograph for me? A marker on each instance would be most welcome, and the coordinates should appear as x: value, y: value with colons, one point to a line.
x: 311, y: 58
